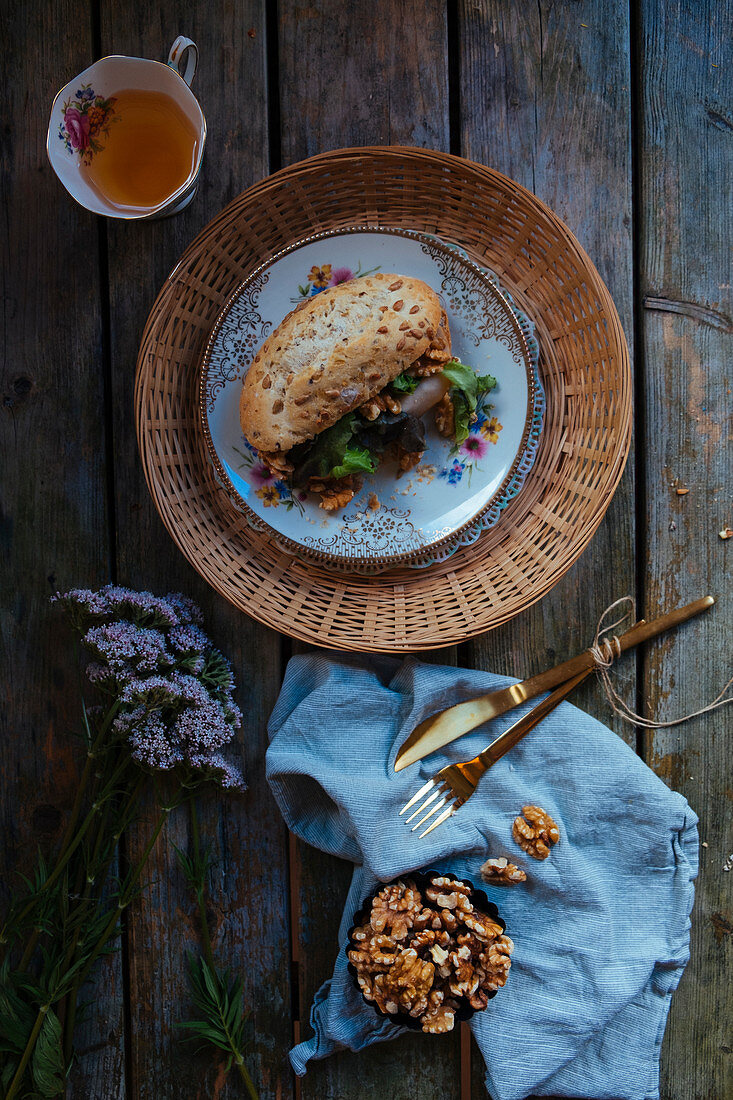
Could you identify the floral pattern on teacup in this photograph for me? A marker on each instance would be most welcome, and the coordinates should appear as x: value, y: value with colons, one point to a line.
x: 86, y: 117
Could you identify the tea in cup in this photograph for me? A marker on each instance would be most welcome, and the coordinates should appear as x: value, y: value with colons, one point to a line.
x: 126, y: 137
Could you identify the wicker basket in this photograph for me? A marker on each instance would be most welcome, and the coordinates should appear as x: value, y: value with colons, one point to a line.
x: 584, y: 365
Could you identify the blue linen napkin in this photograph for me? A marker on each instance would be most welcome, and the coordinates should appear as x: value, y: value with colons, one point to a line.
x: 601, y: 927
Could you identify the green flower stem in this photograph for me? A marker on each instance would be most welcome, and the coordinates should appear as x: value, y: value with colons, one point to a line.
x: 200, y: 888
x: 64, y: 857
x: 29, y: 949
x: 126, y: 897
x: 99, y: 875
x: 35, y: 1032
x: 248, y: 1083
x: 70, y: 842
x: 88, y: 765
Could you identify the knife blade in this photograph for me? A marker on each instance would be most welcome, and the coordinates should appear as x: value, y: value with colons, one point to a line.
x: 440, y: 729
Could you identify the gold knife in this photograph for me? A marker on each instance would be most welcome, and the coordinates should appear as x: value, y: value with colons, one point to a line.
x: 445, y: 726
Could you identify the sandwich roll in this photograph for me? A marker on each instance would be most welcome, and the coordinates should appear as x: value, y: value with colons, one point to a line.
x: 335, y: 353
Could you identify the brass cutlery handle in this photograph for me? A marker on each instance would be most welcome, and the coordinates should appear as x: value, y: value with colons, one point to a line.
x: 445, y: 726
x: 509, y: 738
x: 640, y: 632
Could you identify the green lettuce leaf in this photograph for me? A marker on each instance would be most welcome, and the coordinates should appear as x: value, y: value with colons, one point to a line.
x: 462, y: 416
x: 356, y: 460
x: 405, y: 383
x: 333, y: 453
x: 465, y: 379
x: 467, y: 389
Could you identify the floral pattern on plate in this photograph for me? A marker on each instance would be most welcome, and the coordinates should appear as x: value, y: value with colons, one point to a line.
x: 272, y: 491
x: 484, y: 431
x: 455, y: 492
x: 321, y: 276
x: 87, y: 117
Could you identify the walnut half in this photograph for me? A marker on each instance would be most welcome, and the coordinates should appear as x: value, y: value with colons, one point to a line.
x: 500, y: 872
x: 535, y: 832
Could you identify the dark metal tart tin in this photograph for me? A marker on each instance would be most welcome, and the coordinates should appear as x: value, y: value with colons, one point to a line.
x: 422, y: 880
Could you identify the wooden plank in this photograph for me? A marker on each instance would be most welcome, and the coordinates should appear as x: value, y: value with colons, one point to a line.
x: 545, y: 98
x: 52, y: 454
x: 54, y: 523
x: 359, y: 74
x: 362, y: 74
x: 686, y: 126
x: 249, y: 883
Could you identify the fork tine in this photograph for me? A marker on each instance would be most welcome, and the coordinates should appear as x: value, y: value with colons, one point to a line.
x: 440, y: 789
x: 423, y: 790
x: 447, y: 812
x: 429, y: 814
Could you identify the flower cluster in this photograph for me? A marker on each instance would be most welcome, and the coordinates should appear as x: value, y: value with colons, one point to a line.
x: 327, y: 275
x: 322, y: 276
x: 85, y: 118
x: 484, y: 430
x: 173, y: 689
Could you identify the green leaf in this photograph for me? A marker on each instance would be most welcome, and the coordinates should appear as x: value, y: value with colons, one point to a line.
x: 16, y: 1019
x: 405, y: 383
x: 466, y: 380
x: 467, y: 388
x: 332, y: 451
x: 47, y: 1063
x: 219, y: 999
x: 462, y: 416
x: 356, y: 460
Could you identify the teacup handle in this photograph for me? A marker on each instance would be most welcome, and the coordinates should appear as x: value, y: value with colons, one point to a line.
x: 184, y: 48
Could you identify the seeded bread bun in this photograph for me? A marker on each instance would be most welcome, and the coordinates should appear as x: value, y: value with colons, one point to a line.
x: 335, y: 351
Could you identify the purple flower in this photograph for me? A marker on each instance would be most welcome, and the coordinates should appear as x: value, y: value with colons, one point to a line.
x: 202, y: 729
x: 186, y: 610
x: 340, y: 275
x: 128, y: 720
x: 142, y: 607
x: 232, y: 713
x: 475, y: 446
x: 189, y: 639
x: 173, y: 687
x: 191, y: 691
x: 99, y: 674
x: 116, y: 601
x: 151, y: 745
x: 261, y: 474
x: 127, y: 648
x: 155, y: 692
x: 227, y: 774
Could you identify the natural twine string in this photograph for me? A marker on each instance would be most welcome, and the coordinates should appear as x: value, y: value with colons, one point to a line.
x: 605, y: 651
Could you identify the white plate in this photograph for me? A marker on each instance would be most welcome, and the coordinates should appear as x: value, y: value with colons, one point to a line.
x: 455, y: 493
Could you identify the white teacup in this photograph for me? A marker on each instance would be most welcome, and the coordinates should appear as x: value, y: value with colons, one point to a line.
x: 81, y: 117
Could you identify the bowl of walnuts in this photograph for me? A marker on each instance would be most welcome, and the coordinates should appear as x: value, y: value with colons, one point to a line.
x: 428, y: 949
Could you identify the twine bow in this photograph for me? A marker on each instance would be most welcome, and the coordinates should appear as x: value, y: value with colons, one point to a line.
x: 605, y: 650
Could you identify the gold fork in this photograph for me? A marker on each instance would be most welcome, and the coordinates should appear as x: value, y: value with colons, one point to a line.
x: 457, y: 782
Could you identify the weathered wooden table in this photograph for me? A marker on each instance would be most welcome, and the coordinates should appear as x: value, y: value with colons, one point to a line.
x: 623, y: 124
